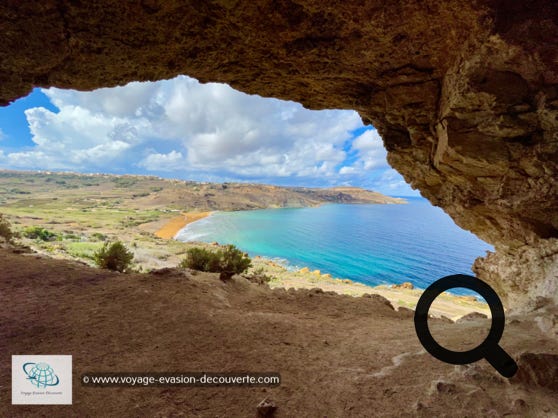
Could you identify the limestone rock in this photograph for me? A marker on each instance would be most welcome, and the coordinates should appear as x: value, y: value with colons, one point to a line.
x: 441, y: 386
x: 266, y: 408
x: 538, y: 369
x: 406, y: 312
x: 473, y: 316
x: 404, y: 285
x: 523, y: 277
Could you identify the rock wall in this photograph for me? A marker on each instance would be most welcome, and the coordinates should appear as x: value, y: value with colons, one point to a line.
x: 464, y: 93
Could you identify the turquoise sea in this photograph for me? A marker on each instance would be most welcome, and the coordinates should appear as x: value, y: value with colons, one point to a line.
x: 371, y: 244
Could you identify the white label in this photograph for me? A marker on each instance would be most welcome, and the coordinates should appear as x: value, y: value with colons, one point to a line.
x: 42, y: 380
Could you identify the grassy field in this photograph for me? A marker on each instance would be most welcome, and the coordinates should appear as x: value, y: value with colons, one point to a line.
x: 84, y: 211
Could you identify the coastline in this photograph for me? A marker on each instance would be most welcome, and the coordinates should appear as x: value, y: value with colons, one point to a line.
x: 174, y: 225
x: 404, y: 296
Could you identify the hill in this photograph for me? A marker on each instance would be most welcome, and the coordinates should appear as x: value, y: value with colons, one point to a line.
x: 148, y: 192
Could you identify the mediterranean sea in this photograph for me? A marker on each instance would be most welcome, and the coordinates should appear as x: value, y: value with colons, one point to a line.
x: 371, y: 244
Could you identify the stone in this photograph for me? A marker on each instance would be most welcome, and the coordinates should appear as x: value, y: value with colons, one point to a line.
x: 479, y: 372
x: 473, y: 316
x: 440, y: 386
x: 406, y: 312
x: 266, y: 408
x: 404, y: 285
x: 519, y: 405
x: 537, y: 370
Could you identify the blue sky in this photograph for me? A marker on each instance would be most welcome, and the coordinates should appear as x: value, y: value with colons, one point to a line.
x: 181, y: 128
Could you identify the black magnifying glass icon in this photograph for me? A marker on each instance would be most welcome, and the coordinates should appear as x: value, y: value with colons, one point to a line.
x: 489, y: 348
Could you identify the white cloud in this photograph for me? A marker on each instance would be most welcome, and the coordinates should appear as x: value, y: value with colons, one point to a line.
x: 347, y: 170
x: 391, y: 182
x: 183, y: 126
x: 195, y: 130
x: 371, y: 151
x: 163, y: 162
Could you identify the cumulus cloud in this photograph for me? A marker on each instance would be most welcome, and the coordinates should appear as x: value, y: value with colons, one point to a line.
x: 184, y: 126
x: 394, y: 182
x: 195, y: 130
x: 370, y: 151
x: 163, y: 162
x: 369, y: 167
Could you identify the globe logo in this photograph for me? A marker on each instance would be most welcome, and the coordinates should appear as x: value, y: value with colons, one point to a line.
x: 40, y: 375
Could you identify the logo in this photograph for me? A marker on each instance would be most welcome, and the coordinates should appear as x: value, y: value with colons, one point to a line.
x: 42, y: 380
x: 40, y: 375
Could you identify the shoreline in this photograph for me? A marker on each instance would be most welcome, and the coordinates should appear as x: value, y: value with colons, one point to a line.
x: 402, y: 295
x: 174, y: 225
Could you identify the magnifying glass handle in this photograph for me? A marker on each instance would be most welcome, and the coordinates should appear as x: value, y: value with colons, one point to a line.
x: 501, y: 361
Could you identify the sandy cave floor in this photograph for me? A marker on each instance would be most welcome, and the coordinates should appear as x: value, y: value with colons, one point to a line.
x: 338, y: 356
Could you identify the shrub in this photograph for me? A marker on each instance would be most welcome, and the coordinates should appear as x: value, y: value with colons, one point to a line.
x: 99, y: 236
x: 19, y: 191
x: 234, y: 261
x: 259, y: 276
x: 5, y: 229
x: 36, y: 232
x: 197, y: 259
x: 227, y: 261
x: 72, y: 236
x: 113, y: 256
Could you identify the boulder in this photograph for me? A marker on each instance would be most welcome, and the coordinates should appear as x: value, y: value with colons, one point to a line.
x: 537, y: 370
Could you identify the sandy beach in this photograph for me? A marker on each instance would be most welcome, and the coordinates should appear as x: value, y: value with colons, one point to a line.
x: 174, y: 225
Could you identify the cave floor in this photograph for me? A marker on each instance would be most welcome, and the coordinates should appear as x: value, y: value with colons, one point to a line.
x: 338, y: 356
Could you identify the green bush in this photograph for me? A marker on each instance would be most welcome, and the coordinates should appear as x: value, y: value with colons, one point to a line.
x: 227, y: 261
x: 72, y: 236
x: 99, y: 236
x: 259, y: 276
x: 234, y: 261
x: 197, y: 259
x: 5, y: 229
x: 113, y: 256
x: 36, y: 232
